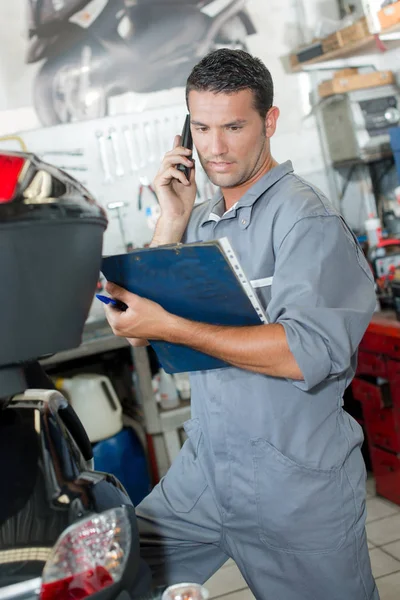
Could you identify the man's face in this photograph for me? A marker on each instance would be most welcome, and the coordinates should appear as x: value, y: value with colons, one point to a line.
x: 231, y: 138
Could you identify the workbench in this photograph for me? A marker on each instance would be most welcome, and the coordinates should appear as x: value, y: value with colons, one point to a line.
x: 377, y: 387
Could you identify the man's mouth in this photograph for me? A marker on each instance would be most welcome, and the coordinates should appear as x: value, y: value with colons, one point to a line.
x: 219, y: 166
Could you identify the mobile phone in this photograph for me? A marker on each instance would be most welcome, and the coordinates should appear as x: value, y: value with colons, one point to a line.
x: 186, y: 142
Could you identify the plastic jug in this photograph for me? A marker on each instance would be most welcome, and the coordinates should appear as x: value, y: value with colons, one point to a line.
x: 95, y: 402
x: 167, y: 389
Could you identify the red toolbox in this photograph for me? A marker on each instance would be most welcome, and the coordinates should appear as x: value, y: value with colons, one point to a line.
x: 386, y: 467
x: 372, y: 364
x: 373, y: 394
x: 377, y: 387
x: 375, y: 342
x: 393, y: 370
x: 383, y: 428
x: 393, y: 367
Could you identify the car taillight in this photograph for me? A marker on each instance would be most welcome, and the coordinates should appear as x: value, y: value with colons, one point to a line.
x: 10, y: 170
x: 88, y: 557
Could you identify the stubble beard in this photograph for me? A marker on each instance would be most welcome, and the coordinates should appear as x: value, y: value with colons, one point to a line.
x: 231, y: 181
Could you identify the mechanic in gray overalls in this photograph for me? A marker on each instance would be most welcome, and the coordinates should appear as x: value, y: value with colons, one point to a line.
x: 272, y: 473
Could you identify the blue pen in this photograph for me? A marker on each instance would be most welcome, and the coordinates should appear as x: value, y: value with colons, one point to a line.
x: 116, y: 303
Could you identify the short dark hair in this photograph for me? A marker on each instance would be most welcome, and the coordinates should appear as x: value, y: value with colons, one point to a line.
x: 227, y: 71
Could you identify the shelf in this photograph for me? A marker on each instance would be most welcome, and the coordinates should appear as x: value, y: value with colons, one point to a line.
x: 366, y: 43
x: 100, y: 339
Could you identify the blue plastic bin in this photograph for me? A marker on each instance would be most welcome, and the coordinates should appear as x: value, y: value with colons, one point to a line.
x: 122, y: 455
x: 395, y: 143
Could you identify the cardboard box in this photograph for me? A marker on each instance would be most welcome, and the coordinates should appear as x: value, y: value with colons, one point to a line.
x: 332, y: 42
x: 349, y: 72
x: 348, y: 35
x: 358, y: 31
x: 342, y: 85
x: 293, y: 60
x: 390, y: 15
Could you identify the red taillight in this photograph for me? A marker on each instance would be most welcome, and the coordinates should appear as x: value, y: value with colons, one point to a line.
x: 89, y: 556
x: 77, y: 587
x: 10, y: 170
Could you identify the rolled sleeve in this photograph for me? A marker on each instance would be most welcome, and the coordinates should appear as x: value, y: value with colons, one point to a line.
x: 304, y: 348
x: 323, y: 295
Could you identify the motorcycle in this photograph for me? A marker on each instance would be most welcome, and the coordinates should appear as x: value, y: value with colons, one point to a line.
x: 92, y: 51
x: 66, y: 530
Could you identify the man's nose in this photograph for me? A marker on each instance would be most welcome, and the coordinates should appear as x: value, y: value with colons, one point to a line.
x: 218, y: 146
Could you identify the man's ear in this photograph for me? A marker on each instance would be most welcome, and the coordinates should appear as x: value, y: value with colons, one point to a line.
x: 271, y: 121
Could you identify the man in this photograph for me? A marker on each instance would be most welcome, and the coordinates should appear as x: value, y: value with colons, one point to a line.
x: 272, y: 474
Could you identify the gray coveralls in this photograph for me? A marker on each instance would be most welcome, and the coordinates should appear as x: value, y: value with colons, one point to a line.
x: 272, y: 473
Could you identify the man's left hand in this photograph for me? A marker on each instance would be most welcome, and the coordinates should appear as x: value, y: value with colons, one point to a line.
x: 143, y: 319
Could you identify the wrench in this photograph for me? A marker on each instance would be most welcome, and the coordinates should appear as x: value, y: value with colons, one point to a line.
x: 139, y: 146
x: 118, y: 206
x: 167, y: 134
x: 119, y: 169
x: 77, y: 152
x: 103, y: 156
x: 131, y: 151
x: 72, y: 168
x: 149, y: 141
x: 159, y: 136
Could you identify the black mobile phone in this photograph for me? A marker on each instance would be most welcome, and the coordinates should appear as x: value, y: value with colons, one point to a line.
x: 186, y: 142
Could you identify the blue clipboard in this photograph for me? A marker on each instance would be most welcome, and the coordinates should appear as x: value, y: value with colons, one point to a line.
x: 202, y: 281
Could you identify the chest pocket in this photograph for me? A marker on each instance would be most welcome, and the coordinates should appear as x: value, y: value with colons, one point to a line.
x: 262, y: 287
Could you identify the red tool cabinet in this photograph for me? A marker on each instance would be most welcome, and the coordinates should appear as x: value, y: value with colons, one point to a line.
x: 377, y: 387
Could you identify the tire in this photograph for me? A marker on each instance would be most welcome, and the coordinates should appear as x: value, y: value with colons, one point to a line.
x: 49, y: 108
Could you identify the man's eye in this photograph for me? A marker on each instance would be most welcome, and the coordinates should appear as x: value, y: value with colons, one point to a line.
x: 201, y: 129
x: 234, y: 128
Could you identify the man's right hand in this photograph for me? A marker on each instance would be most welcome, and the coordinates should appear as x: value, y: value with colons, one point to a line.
x: 175, y: 194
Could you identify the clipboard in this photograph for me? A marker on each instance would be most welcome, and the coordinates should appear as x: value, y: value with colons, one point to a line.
x: 201, y: 281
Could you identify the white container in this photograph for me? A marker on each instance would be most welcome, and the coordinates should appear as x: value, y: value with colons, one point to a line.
x: 155, y: 382
x: 168, y: 393
x: 95, y: 402
x: 371, y: 9
x: 373, y: 228
x: 182, y: 383
x: 186, y: 591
